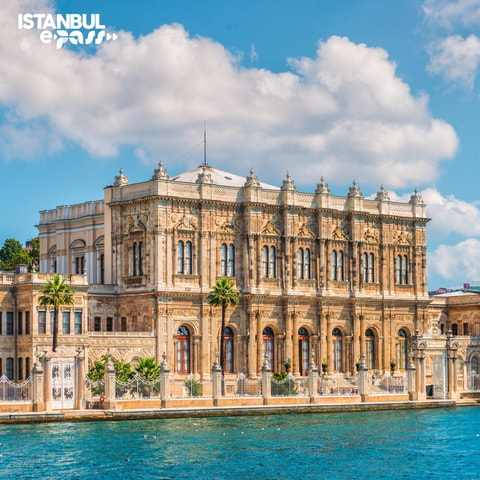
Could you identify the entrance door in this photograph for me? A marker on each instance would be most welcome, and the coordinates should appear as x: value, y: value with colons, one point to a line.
x: 63, y: 386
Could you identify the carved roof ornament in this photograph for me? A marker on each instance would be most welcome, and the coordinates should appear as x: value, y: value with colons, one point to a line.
x: 269, y: 229
x: 354, y: 191
x: 382, y: 195
x: 371, y: 236
x: 403, y: 237
x: 160, y: 173
x: 187, y: 223
x: 137, y: 223
x: 304, y: 231
x: 229, y: 227
x: 120, y: 179
x: 339, y: 234
x: 252, y: 180
x: 204, y: 177
x: 322, y: 187
x: 288, y: 184
x: 416, y: 198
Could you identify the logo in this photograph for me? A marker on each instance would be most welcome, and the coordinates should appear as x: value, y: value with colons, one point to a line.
x: 76, y: 28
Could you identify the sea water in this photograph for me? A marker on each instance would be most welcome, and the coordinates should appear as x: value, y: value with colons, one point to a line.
x: 436, y: 443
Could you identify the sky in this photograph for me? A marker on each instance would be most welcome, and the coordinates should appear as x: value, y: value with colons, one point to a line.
x: 381, y: 92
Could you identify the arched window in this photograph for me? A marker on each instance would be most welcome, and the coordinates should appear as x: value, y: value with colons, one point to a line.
x: 370, y: 349
x: 303, y: 261
x: 183, y: 350
x: 474, y: 365
x: 227, y: 260
x: 401, y: 349
x: 338, y: 272
x: 337, y: 349
x: 368, y: 267
x: 228, y: 336
x: 268, y: 346
x: 184, y: 257
x: 268, y: 262
x: 135, y: 259
x: 300, y: 260
x: 140, y: 259
x: 271, y: 263
x: 401, y: 269
x: 303, y: 350
x: 79, y: 265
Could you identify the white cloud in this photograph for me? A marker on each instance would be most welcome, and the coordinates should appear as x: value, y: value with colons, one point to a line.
x: 461, y: 261
x: 344, y: 110
x: 448, y: 13
x: 457, y: 59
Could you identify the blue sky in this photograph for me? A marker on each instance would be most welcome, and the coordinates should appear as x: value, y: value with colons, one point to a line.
x: 384, y: 92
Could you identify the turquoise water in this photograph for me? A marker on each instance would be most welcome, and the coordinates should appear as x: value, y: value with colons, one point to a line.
x: 407, y: 444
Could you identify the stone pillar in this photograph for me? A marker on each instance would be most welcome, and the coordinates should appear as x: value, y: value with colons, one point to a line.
x: 411, y: 380
x: 266, y: 382
x: 363, y: 379
x: 47, y: 371
x: 80, y: 383
x: 164, y: 383
x: 313, y: 379
x: 38, y: 388
x: 109, y: 403
x: 419, y: 355
x: 452, y: 373
x: 217, y: 390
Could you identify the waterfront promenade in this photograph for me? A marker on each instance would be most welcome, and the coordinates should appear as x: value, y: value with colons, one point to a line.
x: 239, y: 410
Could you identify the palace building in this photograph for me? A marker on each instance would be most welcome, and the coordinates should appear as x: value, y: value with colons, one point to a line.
x: 334, y: 275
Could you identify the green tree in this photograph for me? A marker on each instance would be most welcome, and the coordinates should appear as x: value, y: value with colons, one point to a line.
x: 223, y: 295
x: 56, y: 293
x: 9, y: 254
x: 150, y: 372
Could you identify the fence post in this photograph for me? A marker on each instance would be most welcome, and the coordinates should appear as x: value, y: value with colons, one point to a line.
x: 266, y: 382
x: 38, y: 403
x: 164, y: 383
x: 313, y: 380
x: 109, y: 403
x: 363, y: 379
x: 216, y: 383
x: 47, y: 382
x: 411, y: 381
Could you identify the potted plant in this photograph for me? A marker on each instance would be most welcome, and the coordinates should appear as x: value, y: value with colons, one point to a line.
x: 392, y: 366
x: 324, y: 366
x: 288, y: 364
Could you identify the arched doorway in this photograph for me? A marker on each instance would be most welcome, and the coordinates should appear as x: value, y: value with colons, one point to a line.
x: 229, y: 353
x: 268, y: 346
x: 183, y: 350
x: 303, y: 350
x: 370, y: 349
x: 337, y: 349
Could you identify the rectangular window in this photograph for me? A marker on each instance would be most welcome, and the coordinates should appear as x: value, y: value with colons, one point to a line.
x: 42, y: 322
x: 97, y: 324
x: 66, y: 323
x: 27, y: 367
x: 20, y: 369
x: 20, y: 323
x: 465, y: 328
x: 109, y: 324
x: 78, y: 323
x: 27, y: 323
x: 10, y: 325
x: 1, y: 323
x: 123, y: 324
x: 1, y: 367
x: 52, y: 318
x: 454, y: 329
x: 9, y: 371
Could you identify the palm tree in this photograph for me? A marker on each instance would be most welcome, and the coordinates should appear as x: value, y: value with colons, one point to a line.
x: 56, y: 293
x: 223, y: 295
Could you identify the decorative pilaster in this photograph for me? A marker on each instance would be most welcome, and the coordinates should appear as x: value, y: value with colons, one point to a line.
x: 217, y: 383
x: 411, y: 380
x: 164, y: 382
x: 266, y: 381
x: 109, y: 403
x: 363, y: 379
x: 37, y: 388
x: 313, y: 379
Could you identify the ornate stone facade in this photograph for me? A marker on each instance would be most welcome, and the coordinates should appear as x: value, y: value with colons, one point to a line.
x: 339, y: 276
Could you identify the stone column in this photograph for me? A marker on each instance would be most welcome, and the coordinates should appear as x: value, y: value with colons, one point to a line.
x: 109, y: 379
x: 419, y: 355
x: 363, y: 379
x: 313, y: 380
x: 266, y: 382
x: 452, y: 372
x: 164, y: 383
x: 80, y: 383
x: 217, y: 390
x: 47, y: 371
x: 38, y: 388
